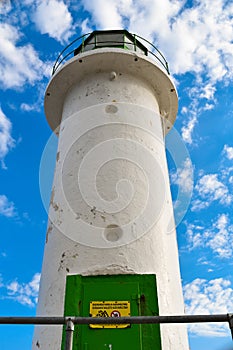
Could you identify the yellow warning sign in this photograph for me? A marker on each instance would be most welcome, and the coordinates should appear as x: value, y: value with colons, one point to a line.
x: 109, y: 309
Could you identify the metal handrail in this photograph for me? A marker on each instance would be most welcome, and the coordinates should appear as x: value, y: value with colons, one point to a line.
x: 58, y: 61
x: 159, y: 52
x: 56, y: 320
x: 66, y: 53
x: 71, y: 321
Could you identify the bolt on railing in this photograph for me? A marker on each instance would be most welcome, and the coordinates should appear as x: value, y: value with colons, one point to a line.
x: 71, y: 321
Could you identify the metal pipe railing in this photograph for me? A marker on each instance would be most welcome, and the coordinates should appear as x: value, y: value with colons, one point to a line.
x: 70, y: 49
x: 45, y: 320
x: 71, y: 321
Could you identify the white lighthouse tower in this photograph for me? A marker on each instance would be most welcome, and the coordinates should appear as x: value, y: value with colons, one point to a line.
x: 111, y: 245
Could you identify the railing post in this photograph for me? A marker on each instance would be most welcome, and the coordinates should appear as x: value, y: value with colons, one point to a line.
x: 230, y: 320
x: 69, y: 334
x: 134, y: 42
x: 82, y: 44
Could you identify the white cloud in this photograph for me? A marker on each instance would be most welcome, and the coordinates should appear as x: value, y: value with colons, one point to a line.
x: 187, y: 129
x: 52, y: 17
x: 35, y: 283
x: 198, y: 204
x: 225, y: 171
x: 194, y: 39
x: 85, y: 28
x: 24, y: 293
x: 19, y: 64
x: 209, y: 188
x: 36, y: 103
x: 106, y: 14
x: 184, y: 110
x: 30, y: 107
x: 208, y: 106
x: 7, y: 208
x: 209, y: 297
x: 207, y: 92
x: 189, y: 125
x: 200, y: 40
x: 228, y: 151
x: 202, y: 99
x: 202, y: 261
x: 194, y: 236
x: 6, y: 140
x: 5, y: 6
x: 184, y: 177
x: 218, y: 236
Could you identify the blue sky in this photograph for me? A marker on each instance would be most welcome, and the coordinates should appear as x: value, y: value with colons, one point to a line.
x: 198, y: 44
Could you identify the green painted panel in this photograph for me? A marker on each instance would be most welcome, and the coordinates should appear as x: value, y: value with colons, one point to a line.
x: 140, y: 290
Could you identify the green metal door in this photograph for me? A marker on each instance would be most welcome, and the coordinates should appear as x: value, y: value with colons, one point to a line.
x: 138, y: 290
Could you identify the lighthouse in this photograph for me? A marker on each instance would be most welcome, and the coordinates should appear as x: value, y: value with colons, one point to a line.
x: 111, y: 246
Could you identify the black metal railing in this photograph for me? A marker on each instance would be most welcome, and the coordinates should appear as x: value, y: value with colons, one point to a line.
x: 70, y: 49
x: 71, y: 321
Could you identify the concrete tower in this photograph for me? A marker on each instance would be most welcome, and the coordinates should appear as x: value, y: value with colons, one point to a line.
x: 111, y: 242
